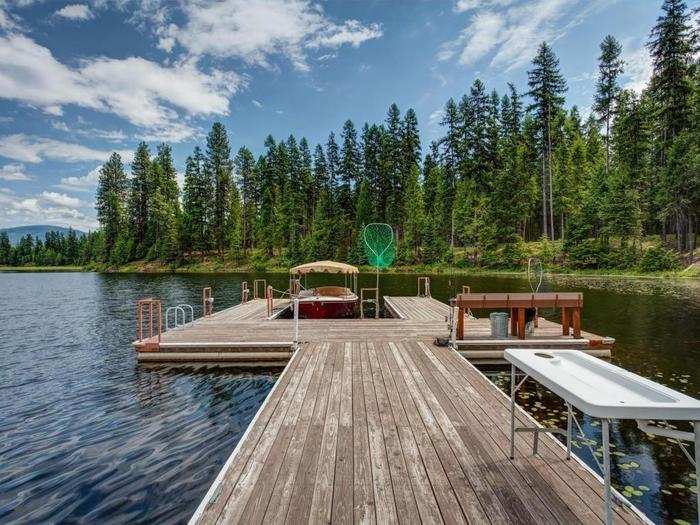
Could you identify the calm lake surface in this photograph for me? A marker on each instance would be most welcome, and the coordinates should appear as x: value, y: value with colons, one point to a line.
x: 87, y: 435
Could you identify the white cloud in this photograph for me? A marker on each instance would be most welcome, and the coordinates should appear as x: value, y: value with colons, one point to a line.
x: 85, y: 183
x: 145, y: 93
x: 254, y: 30
x: 351, y: 32
x: 30, y: 148
x: 60, y: 199
x: 509, y: 32
x: 13, y: 172
x: 435, y: 117
x: 75, y: 12
x: 467, y: 5
x: 257, y: 103
x: 40, y: 209
x: 638, y: 69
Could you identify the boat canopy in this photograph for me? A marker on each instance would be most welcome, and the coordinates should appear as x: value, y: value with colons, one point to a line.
x: 324, y: 267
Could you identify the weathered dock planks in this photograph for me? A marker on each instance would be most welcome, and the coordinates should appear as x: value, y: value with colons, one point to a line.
x: 394, y: 431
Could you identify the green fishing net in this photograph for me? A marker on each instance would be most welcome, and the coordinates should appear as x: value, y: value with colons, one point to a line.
x: 379, y: 244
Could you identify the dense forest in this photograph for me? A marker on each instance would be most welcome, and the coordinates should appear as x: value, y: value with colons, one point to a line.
x: 510, y: 168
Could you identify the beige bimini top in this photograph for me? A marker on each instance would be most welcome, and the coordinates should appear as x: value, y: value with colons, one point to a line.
x: 324, y: 267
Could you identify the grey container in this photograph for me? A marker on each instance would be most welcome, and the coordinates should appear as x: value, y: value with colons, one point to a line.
x: 499, y: 325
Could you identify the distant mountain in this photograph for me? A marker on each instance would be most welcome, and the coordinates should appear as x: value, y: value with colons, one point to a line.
x: 39, y: 230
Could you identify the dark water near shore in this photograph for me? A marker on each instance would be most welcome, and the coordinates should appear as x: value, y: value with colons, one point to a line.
x: 87, y: 435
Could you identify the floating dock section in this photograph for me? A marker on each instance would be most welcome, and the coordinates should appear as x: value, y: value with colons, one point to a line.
x: 252, y: 334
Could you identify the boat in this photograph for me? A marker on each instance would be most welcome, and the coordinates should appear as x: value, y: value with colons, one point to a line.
x: 325, y: 302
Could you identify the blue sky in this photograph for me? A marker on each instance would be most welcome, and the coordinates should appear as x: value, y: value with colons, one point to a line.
x: 79, y: 80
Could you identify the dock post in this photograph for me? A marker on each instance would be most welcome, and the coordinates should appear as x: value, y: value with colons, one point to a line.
x: 606, y: 470
x: 296, y: 323
x: 453, y: 328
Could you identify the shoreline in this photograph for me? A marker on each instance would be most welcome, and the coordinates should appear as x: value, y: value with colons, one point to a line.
x: 150, y: 268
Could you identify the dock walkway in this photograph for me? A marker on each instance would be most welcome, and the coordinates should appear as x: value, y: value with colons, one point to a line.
x: 395, y: 431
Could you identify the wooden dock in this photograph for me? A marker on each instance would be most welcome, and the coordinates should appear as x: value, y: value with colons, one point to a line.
x: 395, y: 431
x: 247, y: 336
x: 378, y: 420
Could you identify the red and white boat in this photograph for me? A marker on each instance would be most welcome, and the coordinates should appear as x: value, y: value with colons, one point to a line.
x: 325, y: 302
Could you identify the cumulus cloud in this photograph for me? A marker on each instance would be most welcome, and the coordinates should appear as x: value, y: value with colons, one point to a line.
x: 508, y: 32
x: 75, y: 12
x: 86, y: 182
x: 254, y: 30
x: 60, y: 199
x: 467, y: 5
x: 257, y: 103
x: 47, y: 208
x: 33, y: 149
x: 13, y: 172
x: 143, y: 92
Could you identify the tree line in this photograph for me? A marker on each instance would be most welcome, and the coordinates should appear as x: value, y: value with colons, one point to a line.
x: 509, y: 168
x: 55, y: 249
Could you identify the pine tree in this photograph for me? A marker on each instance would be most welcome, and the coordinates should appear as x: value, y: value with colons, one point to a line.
x: 547, y: 87
x: 610, y: 67
x: 332, y: 161
x: 235, y: 226
x: 139, y: 197
x: 196, y: 204
x: 414, y: 222
x: 244, y: 164
x: 218, y: 167
x: 349, y: 168
x: 672, y: 46
x: 434, y: 197
x: 110, y: 201
x: 5, y: 249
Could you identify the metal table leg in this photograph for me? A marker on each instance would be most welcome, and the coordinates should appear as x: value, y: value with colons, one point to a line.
x: 512, y: 411
x: 696, y: 428
x: 568, y: 430
x: 606, y: 471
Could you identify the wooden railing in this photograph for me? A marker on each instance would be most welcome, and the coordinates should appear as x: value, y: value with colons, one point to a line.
x: 152, y: 307
x: 207, y: 302
x: 256, y: 294
x: 245, y: 292
x: 425, y: 290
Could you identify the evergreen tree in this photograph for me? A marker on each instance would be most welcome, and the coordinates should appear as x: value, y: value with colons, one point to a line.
x: 5, y: 249
x: 141, y: 189
x: 244, y: 164
x: 218, y: 167
x: 607, y: 88
x: 110, y: 201
x: 196, y: 204
x: 672, y: 45
x: 547, y: 87
x: 349, y: 168
x: 415, y: 218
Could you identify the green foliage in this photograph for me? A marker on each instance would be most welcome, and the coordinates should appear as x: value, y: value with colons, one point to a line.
x: 658, y: 259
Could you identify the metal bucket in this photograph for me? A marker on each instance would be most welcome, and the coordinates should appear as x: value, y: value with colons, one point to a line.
x: 499, y: 325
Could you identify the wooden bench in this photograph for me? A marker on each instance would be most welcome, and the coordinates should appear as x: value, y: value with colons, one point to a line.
x: 570, y: 303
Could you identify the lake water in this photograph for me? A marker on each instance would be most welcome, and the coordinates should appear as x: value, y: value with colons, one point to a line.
x: 87, y: 435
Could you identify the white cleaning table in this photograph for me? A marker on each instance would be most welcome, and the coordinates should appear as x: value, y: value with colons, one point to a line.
x: 603, y: 391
